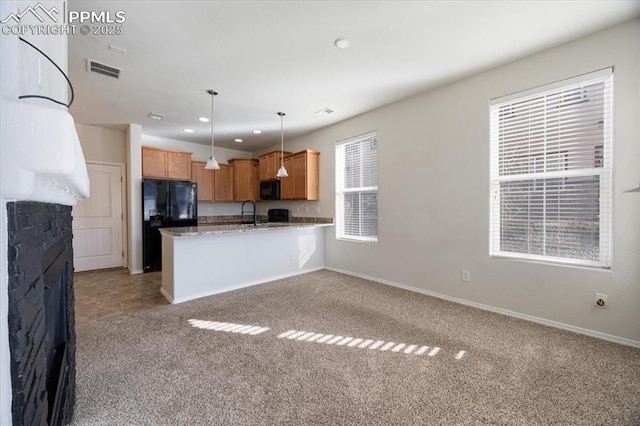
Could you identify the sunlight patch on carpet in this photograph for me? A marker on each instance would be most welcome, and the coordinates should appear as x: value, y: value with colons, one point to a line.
x: 359, y: 343
x: 228, y: 327
x: 329, y: 339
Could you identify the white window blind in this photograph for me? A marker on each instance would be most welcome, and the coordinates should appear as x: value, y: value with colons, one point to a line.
x: 551, y: 173
x: 357, y: 188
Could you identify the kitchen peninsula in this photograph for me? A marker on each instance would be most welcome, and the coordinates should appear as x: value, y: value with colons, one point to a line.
x: 205, y: 260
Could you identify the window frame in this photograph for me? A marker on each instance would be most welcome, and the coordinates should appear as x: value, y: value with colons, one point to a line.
x: 602, y: 168
x: 341, y: 233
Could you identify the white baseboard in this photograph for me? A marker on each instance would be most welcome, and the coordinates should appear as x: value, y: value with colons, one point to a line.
x: 239, y: 286
x: 166, y: 295
x: 543, y: 321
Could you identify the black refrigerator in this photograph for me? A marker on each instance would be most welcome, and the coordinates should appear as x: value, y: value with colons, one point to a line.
x: 165, y: 204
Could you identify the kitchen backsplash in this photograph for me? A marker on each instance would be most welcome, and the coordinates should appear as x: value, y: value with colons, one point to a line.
x: 262, y: 218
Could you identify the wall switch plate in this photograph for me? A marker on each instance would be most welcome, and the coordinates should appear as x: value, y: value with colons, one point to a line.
x: 600, y: 300
x: 466, y: 276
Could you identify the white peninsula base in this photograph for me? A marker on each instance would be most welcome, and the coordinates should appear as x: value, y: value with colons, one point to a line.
x: 199, y: 261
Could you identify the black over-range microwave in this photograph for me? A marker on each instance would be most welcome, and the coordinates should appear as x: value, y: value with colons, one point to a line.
x: 270, y: 190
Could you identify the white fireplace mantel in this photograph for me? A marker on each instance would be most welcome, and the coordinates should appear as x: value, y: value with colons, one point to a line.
x: 42, y: 159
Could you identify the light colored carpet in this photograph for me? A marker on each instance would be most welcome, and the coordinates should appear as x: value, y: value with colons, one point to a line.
x: 458, y: 365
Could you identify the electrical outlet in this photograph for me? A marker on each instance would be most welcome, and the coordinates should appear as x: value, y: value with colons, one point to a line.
x: 600, y: 300
x: 466, y: 276
x: 317, y: 209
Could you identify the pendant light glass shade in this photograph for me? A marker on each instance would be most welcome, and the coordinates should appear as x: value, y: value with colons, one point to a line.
x: 212, y: 164
x: 282, y: 172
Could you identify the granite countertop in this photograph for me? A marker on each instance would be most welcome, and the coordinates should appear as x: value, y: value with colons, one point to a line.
x: 190, y: 231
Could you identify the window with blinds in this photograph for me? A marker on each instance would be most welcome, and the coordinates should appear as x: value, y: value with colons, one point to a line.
x: 357, y: 189
x: 551, y: 172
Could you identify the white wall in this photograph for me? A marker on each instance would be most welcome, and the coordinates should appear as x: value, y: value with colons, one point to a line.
x: 434, y: 193
x: 19, y: 75
x: 134, y: 197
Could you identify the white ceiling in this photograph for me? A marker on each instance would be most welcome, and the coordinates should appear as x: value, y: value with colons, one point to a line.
x: 269, y: 56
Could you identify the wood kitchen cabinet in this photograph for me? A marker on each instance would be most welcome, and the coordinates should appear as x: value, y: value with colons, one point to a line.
x: 204, y: 179
x: 243, y: 179
x: 286, y: 183
x: 256, y: 181
x: 223, y: 183
x: 269, y: 165
x: 303, y: 182
x: 165, y: 164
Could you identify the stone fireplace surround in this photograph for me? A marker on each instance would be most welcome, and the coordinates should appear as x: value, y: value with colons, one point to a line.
x: 41, y: 314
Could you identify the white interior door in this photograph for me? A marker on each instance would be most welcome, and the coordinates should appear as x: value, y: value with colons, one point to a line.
x: 98, y: 221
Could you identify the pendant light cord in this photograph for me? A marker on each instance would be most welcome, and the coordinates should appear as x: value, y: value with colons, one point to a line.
x: 281, y: 114
x: 213, y: 95
x: 68, y: 105
x: 212, y: 134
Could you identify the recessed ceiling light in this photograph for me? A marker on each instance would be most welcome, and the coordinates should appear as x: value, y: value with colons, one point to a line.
x: 257, y: 132
x: 237, y: 140
x: 155, y: 116
x: 342, y: 43
x: 203, y: 119
x: 188, y: 130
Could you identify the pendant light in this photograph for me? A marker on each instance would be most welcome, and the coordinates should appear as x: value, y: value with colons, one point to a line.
x: 212, y: 164
x: 282, y: 172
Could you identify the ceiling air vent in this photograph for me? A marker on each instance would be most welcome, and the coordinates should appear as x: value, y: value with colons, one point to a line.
x: 323, y: 112
x: 104, y: 69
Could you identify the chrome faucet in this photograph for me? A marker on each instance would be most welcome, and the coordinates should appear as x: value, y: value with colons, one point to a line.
x: 255, y: 215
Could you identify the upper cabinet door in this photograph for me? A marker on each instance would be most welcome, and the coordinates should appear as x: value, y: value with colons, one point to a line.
x: 223, y: 183
x: 286, y: 183
x: 256, y: 181
x: 269, y: 165
x: 243, y: 170
x: 303, y: 182
x: 179, y: 165
x: 204, y: 179
x: 299, y: 176
x: 164, y: 164
x: 154, y: 163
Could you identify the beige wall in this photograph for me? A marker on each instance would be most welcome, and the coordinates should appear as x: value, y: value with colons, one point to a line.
x: 102, y: 144
x: 434, y: 194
